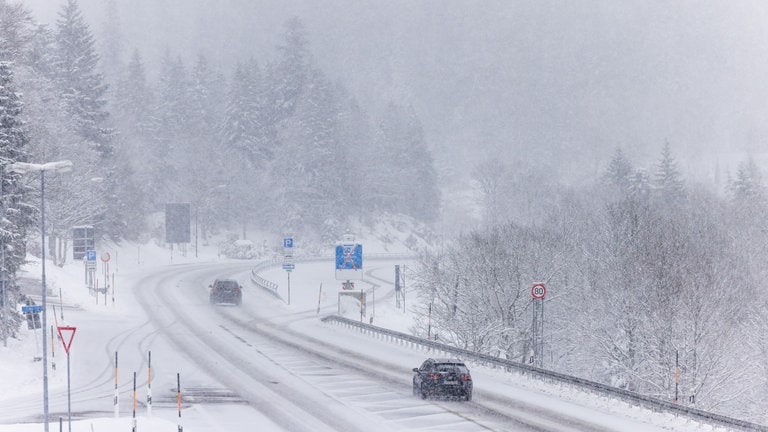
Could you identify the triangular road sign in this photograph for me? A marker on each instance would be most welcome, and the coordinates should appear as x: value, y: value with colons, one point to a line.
x: 70, y: 333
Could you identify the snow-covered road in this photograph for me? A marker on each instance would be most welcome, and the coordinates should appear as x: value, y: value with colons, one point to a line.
x: 271, y: 366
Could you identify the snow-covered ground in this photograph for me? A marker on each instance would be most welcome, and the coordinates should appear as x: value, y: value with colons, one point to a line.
x: 74, y: 305
x: 94, y: 317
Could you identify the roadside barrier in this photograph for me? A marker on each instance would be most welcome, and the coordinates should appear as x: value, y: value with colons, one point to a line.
x: 635, y: 399
x: 271, y: 287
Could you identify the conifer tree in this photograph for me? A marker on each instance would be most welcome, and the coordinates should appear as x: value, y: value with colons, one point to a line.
x: 16, y: 31
x: 81, y: 85
x: 409, y: 164
x: 748, y: 184
x: 17, y: 217
x: 111, y: 47
x: 246, y: 125
x: 619, y: 171
x: 289, y: 75
x: 171, y: 114
x: 666, y: 181
x: 135, y: 99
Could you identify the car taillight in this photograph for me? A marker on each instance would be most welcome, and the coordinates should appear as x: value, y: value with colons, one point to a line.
x: 465, y: 377
x: 434, y: 376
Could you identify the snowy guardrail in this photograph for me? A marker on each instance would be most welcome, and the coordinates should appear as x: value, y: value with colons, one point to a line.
x: 655, y: 404
x: 276, y: 262
x: 260, y: 281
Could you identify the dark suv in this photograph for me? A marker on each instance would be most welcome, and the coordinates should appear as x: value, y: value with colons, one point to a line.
x: 226, y: 291
x: 442, y: 377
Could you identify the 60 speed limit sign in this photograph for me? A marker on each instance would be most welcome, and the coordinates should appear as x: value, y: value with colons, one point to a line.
x: 538, y: 291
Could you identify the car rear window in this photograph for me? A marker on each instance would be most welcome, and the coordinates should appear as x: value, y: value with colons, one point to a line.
x: 227, y: 284
x: 451, y: 367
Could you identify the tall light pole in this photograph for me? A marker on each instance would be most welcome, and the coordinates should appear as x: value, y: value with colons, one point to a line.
x: 55, y: 167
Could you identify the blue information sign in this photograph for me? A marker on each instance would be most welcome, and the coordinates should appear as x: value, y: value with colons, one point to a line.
x: 90, y: 255
x: 31, y: 309
x: 288, y: 242
x: 349, y: 257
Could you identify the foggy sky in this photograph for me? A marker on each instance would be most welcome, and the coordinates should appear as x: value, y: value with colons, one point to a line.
x: 529, y: 81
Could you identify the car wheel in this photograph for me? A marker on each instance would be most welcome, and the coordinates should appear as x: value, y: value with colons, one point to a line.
x: 468, y: 396
x: 415, y: 390
x: 423, y: 393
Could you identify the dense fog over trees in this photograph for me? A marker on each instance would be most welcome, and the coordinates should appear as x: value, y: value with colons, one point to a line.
x: 547, y: 78
x: 270, y: 141
x: 615, y: 151
x: 643, y: 269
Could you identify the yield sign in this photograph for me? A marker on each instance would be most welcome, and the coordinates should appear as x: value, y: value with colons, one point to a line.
x: 70, y: 332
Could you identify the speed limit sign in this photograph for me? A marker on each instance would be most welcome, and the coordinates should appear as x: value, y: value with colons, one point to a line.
x: 538, y: 291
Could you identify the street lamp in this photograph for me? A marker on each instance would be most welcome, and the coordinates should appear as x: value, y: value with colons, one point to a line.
x: 55, y: 167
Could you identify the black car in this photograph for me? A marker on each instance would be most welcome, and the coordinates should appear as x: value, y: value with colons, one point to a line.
x: 226, y: 291
x: 442, y: 377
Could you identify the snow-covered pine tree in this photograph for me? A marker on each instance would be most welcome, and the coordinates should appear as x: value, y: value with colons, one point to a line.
x: 748, y: 188
x: 83, y: 90
x: 619, y: 171
x: 17, y: 30
x: 211, y: 172
x: 170, y: 113
x: 111, y: 48
x: 310, y: 165
x: 134, y: 117
x: 17, y: 215
x: 410, y: 166
x: 289, y: 75
x: 246, y: 125
x: 667, y: 181
x: 81, y: 85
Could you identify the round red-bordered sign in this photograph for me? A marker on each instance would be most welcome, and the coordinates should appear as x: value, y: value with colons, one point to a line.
x: 538, y: 291
x: 105, y: 256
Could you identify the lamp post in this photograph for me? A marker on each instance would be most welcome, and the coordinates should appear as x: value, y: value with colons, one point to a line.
x: 55, y: 167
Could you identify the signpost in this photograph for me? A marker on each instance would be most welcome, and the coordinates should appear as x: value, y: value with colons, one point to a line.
x: 538, y: 292
x: 349, y: 265
x: 83, y: 239
x: 349, y: 261
x: 67, y: 342
x: 32, y: 313
x: 117, y: 394
x: 90, y: 268
x: 105, y: 257
x: 399, y: 286
x: 288, y: 264
x: 149, y: 384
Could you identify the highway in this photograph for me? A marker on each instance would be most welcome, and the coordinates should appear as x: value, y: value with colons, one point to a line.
x: 279, y: 367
